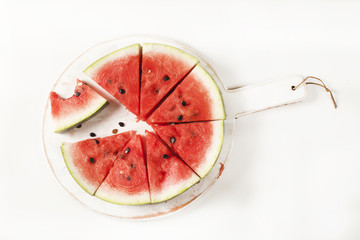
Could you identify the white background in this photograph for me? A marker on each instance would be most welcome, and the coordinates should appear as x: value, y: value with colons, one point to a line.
x: 294, y: 172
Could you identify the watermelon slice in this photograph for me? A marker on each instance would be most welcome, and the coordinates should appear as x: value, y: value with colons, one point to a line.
x: 84, y: 104
x: 127, y: 181
x: 168, y: 175
x: 163, y: 67
x: 198, y: 143
x: 89, y: 161
x: 119, y: 74
x: 196, y: 98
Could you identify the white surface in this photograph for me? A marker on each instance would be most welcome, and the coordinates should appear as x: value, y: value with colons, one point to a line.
x: 294, y: 171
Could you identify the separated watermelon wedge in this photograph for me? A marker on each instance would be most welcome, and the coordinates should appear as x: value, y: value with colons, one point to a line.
x: 168, y: 175
x: 198, y: 144
x: 119, y: 74
x: 84, y: 104
x: 163, y: 67
x: 89, y: 161
x: 196, y: 98
x: 127, y: 181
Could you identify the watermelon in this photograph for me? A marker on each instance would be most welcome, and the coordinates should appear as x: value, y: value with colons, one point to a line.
x: 198, y: 143
x: 119, y: 74
x: 196, y: 98
x: 89, y: 161
x: 178, y: 98
x: 168, y: 175
x: 163, y: 67
x: 84, y: 104
x: 127, y: 181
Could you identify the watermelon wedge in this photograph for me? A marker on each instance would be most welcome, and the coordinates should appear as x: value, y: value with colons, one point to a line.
x: 196, y: 98
x: 163, y: 67
x: 84, y: 104
x: 127, y: 181
x: 89, y: 161
x: 198, y: 143
x: 168, y: 175
x: 119, y: 74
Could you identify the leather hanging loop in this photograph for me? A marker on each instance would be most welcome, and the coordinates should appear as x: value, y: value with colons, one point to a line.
x: 317, y: 84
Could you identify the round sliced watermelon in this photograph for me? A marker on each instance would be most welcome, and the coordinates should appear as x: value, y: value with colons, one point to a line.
x: 198, y: 144
x: 196, y: 98
x: 89, y: 161
x: 168, y: 175
x: 119, y: 74
x: 127, y: 181
x: 84, y: 104
x: 163, y: 67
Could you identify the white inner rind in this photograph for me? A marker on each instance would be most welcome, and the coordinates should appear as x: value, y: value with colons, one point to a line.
x: 109, y: 194
x: 69, y: 120
x: 213, y: 150
x: 123, y: 52
x: 151, y: 48
x: 74, y: 171
x: 201, y: 75
x: 173, y: 190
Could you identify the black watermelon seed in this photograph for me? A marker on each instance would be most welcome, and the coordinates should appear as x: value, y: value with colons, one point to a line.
x: 78, y: 126
x: 128, y: 178
x: 92, y: 134
x: 132, y: 165
x: 183, y: 103
x: 122, y: 91
x: 166, y: 78
x: 121, y: 124
x: 180, y: 117
x: 165, y: 156
x: 156, y: 90
x: 96, y: 141
x: 172, y: 139
x: 127, y: 150
x: 92, y: 160
x: 77, y: 94
x: 108, y: 81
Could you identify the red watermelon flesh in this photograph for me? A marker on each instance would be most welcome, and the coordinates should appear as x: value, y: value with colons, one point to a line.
x: 198, y: 143
x: 127, y: 181
x: 168, y: 175
x: 119, y: 74
x: 196, y: 98
x: 162, y: 68
x: 68, y: 113
x: 89, y: 161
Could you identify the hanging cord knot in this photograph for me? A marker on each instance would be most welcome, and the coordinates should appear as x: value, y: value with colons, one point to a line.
x: 318, y: 84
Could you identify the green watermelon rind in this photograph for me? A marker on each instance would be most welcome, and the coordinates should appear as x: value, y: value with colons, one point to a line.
x: 132, y: 49
x: 214, y: 91
x: 83, y: 119
x: 175, y: 52
x: 214, y: 155
x: 188, y: 183
x: 72, y: 170
x: 104, y: 192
